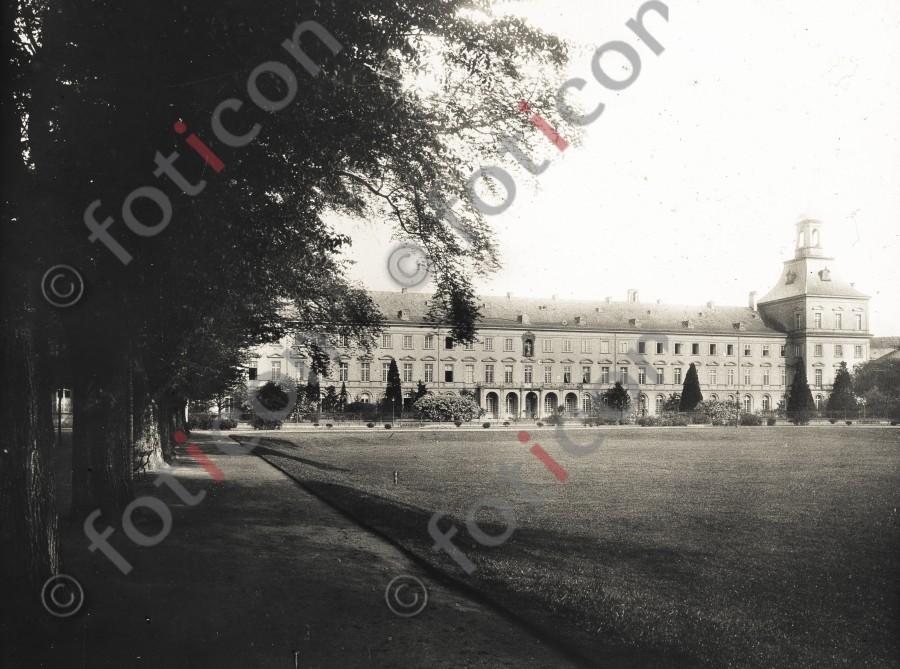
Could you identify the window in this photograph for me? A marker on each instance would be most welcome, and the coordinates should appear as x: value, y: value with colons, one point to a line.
x: 747, y: 349
x: 677, y: 349
x: 678, y: 375
x: 729, y: 349
x: 766, y: 403
x: 713, y: 377
x: 365, y: 371
x: 798, y: 350
x: 407, y: 372
x: 429, y: 372
x: 529, y: 374
x: 429, y: 342
x: 488, y: 343
x: 567, y: 345
x: 660, y: 347
x: 508, y: 343
x: 857, y: 351
x: 364, y: 398
x: 567, y: 373
x: 642, y: 347
x: 488, y: 373
x: 448, y: 343
x: 695, y: 349
x: 386, y: 341
x: 798, y: 321
x: 549, y: 404
x: 818, y: 402
x: 251, y: 370
x: 817, y: 350
x: 748, y: 403
x: 765, y: 377
x: 470, y: 373
x: 859, y: 322
x: 623, y: 375
x: 469, y: 346
x: 276, y: 370
x: 528, y: 348
x: 784, y: 377
x: 642, y: 375
x: 712, y: 349
x: 604, y: 346
x: 604, y: 375
x: 548, y: 374
x: 623, y: 347
x: 508, y: 374
x: 586, y: 403
x: 385, y: 367
x: 729, y: 377
x: 765, y: 350
x: 343, y: 372
x: 448, y: 373
x: 586, y: 346
x: 817, y: 319
x: 818, y: 378
x: 783, y: 352
x: 344, y: 340
x: 586, y: 374
x: 548, y: 346
x: 299, y: 370
x: 407, y: 342
x: 838, y: 321
x: 838, y: 351
x: 660, y: 375
x: 747, y: 377
x: 659, y: 404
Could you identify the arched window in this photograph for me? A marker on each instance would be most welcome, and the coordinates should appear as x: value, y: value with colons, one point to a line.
x: 818, y: 402
x: 528, y: 348
x: 365, y: 398
x: 586, y: 403
x: 748, y: 403
x: 766, y: 403
x: 713, y: 398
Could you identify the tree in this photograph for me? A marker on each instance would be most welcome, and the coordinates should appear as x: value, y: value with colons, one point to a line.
x: 330, y: 400
x: 313, y: 392
x: 878, y: 383
x: 690, y: 392
x: 617, y: 398
x: 421, y: 391
x: 448, y: 407
x: 343, y: 398
x: 842, y: 397
x: 672, y: 402
x: 393, y: 396
x: 800, y: 404
x: 273, y: 398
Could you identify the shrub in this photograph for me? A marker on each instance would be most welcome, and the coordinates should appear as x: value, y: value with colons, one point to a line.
x: 328, y: 425
x: 370, y: 424
x: 770, y: 420
x: 485, y: 425
x: 260, y: 423
x: 458, y: 423
x: 506, y: 423
x: 447, y: 407
x: 699, y: 418
x: 387, y: 426
x: 750, y: 419
x: 206, y: 421
x: 849, y: 422
x: 540, y: 424
x: 832, y: 421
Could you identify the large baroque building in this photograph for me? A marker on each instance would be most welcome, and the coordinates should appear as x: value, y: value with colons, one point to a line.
x: 533, y: 355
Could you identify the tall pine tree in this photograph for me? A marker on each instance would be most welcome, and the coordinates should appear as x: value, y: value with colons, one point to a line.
x: 842, y: 397
x: 394, y: 388
x: 800, y: 405
x: 690, y: 392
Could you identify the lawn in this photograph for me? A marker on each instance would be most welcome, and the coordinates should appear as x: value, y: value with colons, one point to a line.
x: 771, y: 546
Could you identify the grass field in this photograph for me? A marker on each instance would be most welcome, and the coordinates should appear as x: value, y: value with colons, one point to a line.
x: 772, y: 546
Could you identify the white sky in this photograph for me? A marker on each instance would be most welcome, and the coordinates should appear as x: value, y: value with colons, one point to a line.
x: 689, y: 184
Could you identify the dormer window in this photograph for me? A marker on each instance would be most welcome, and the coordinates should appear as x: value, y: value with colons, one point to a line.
x: 790, y: 277
x: 825, y: 275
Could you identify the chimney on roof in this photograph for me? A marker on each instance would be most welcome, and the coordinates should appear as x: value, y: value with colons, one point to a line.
x: 752, y: 300
x: 403, y: 290
x: 509, y: 296
x: 632, y: 295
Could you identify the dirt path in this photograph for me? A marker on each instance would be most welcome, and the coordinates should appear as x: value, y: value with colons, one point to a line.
x: 254, y: 572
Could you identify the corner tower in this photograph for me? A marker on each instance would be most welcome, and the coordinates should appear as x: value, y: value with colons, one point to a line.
x: 826, y: 318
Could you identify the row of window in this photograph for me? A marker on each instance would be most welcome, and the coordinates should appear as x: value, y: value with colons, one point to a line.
x: 568, y: 374
x: 838, y: 321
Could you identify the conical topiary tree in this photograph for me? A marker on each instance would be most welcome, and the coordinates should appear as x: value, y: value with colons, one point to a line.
x: 842, y: 397
x: 690, y: 392
x: 394, y: 388
x: 800, y: 405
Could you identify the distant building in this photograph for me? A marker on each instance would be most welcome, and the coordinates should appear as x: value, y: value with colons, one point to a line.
x: 533, y: 355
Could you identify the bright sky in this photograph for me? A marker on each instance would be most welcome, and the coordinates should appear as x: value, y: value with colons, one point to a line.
x: 689, y: 184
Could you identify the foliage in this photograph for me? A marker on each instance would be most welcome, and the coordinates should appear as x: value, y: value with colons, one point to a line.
x: 273, y: 397
x: 616, y: 397
x: 668, y: 419
x: 672, y: 402
x: 800, y: 405
x: 842, y: 397
x: 393, y: 396
x: 719, y: 412
x: 421, y: 391
x: 878, y: 383
x: 485, y: 424
x: 751, y: 419
x: 330, y: 400
x: 690, y: 391
x: 207, y: 421
x: 448, y: 407
x: 343, y: 398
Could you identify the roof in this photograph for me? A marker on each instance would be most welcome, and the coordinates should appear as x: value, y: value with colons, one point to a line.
x: 882, y: 346
x: 586, y: 315
x: 810, y: 276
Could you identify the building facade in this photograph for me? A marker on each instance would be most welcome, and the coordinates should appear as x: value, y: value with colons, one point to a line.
x: 533, y: 355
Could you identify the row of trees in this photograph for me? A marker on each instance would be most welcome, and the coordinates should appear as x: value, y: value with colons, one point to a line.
x: 87, y: 118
